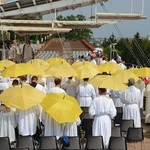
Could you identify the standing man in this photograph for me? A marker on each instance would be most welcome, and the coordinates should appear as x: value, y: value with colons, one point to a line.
x: 51, y: 127
x: 27, y: 51
x: 131, y: 99
x: 102, y: 110
x: 85, y: 93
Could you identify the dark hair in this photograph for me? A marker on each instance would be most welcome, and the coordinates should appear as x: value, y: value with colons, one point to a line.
x: 23, y: 78
x: 85, y: 79
x: 102, y: 90
x: 33, y: 84
x: 15, y: 82
x: 57, y: 81
x: 70, y: 78
x: 34, y: 78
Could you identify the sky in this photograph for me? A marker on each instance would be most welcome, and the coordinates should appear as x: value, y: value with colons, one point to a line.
x: 127, y: 28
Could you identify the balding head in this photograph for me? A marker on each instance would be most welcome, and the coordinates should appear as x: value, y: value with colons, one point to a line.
x: 131, y: 82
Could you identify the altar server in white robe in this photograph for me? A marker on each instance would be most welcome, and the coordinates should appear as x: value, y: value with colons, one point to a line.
x: 131, y: 99
x: 27, y: 120
x: 102, y: 110
x: 147, y: 109
x: 115, y: 95
x: 35, y: 84
x: 7, y: 124
x: 70, y: 87
x: 85, y: 93
x: 70, y: 129
x: 51, y: 127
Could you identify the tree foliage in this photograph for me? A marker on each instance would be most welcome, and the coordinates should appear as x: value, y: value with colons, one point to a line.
x: 131, y: 50
x: 75, y: 34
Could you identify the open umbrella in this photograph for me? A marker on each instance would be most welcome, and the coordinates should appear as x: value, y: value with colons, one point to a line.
x: 125, y: 75
x: 62, y: 70
x: 109, y: 67
x: 86, y: 71
x: 22, y: 97
x: 19, y: 70
x: 77, y: 64
x: 39, y: 63
x: 107, y: 81
x: 56, y: 61
x: 143, y: 72
x: 5, y: 63
x: 61, y: 107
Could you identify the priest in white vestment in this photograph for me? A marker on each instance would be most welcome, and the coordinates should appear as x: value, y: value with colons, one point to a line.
x: 70, y: 129
x: 85, y: 93
x: 7, y: 124
x: 115, y: 95
x: 70, y: 87
x: 102, y: 110
x: 131, y: 99
x: 27, y: 120
x: 51, y: 127
x: 34, y: 83
x: 147, y: 109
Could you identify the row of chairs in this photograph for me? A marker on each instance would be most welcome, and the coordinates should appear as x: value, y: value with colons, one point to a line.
x: 117, y: 119
x: 86, y: 126
x: 92, y: 142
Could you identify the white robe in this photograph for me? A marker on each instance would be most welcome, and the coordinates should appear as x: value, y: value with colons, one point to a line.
x: 70, y: 129
x: 41, y: 88
x: 7, y: 125
x: 141, y: 86
x: 51, y: 127
x: 27, y: 120
x: 56, y: 90
x: 147, y: 110
x: 131, y: 110
x: 70, y: 88
x: 115, y: 95
x: 103, y: 110
x: 86, y: 93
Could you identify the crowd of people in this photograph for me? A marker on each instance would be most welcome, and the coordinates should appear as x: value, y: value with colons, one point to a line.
x: 101, y: 103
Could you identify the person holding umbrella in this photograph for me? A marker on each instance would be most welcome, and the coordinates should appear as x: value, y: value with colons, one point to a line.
x: 51, y: 127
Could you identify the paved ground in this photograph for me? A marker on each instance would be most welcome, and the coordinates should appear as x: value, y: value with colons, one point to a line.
x: 146, y: 142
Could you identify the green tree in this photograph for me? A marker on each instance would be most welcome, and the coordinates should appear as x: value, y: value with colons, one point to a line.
x: 75, y: 34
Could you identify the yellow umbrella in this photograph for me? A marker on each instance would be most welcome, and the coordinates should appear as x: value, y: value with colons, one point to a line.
x: 109, y: 67
x: 86, y: 71
x: 19, y: 70
x: 5, y: 63
x: 107, y: 81
x: 132, y: 69
x: 22, y: 97
x: 56, y: 61
x: 62, y: 70
x: 143, y: 72
x: 40, y: 63
x: 75, y: 65
x: 39, y: 69
x: 124, y: 75
x: 61, y: 107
